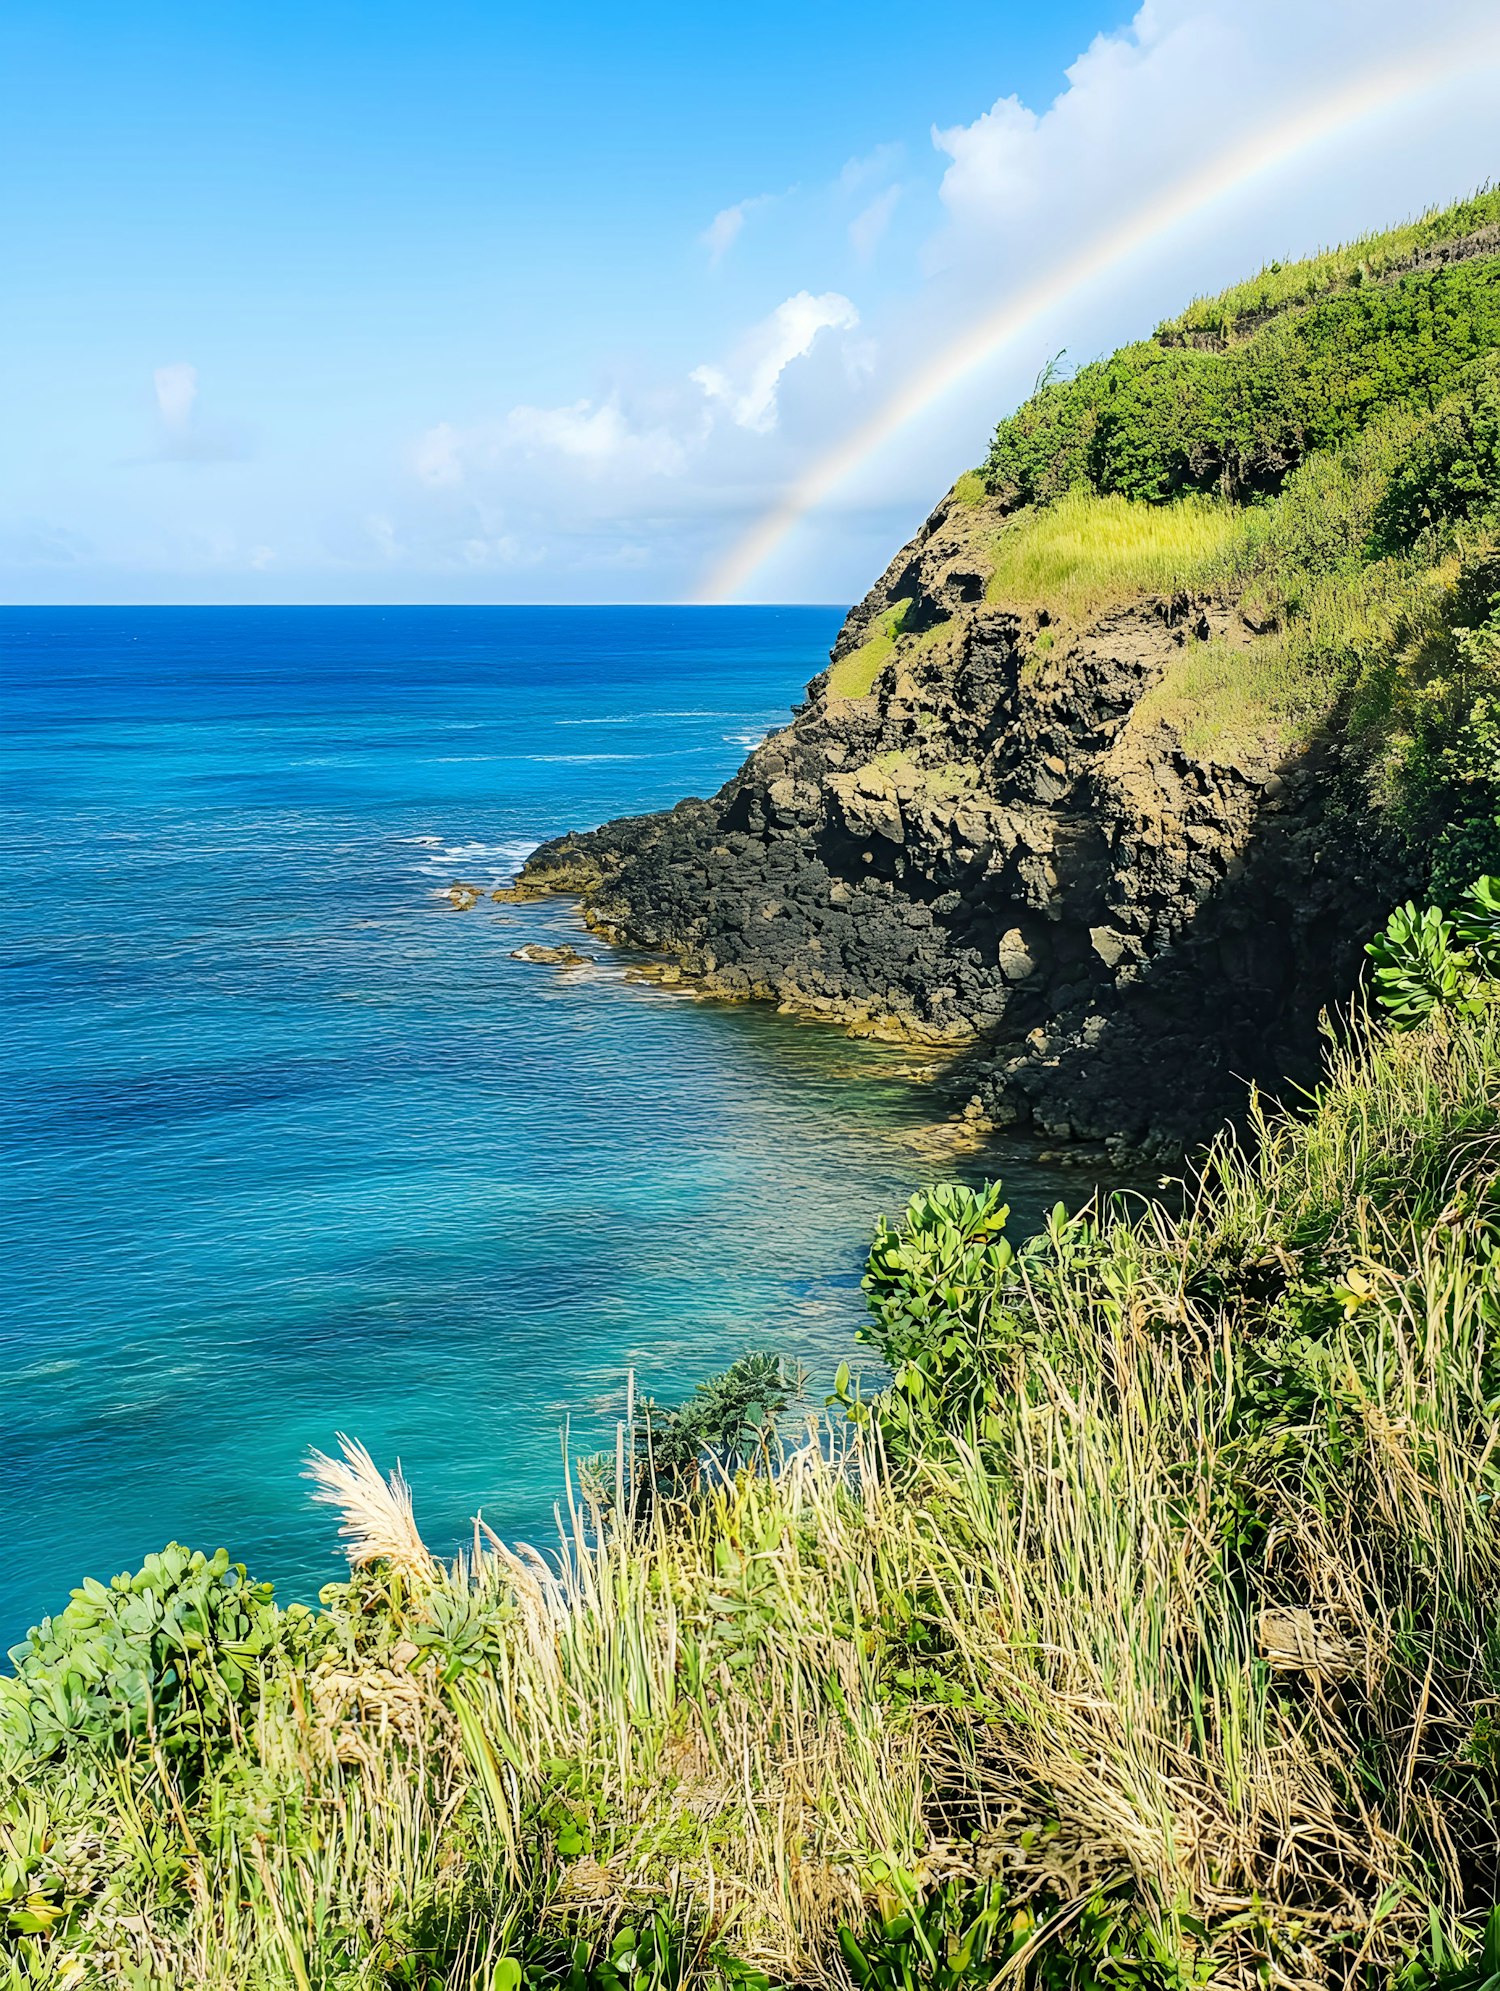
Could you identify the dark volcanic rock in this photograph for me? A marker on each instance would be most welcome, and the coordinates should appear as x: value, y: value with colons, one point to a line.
x: 995, y: 848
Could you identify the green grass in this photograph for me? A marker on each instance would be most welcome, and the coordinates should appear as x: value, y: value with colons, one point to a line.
x: 854, y: 676
x: 1085, y: 553
x: 971, y: 489
x: 1281, y: 285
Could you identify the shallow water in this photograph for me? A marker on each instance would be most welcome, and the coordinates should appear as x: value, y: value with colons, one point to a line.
x: 295, y: 1147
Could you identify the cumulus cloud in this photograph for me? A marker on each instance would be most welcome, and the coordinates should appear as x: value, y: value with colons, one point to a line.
x: 597, y: 439
x: 746, y: 386
x: 1141, y: 108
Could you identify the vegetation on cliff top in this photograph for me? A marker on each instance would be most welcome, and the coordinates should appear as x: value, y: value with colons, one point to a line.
x: 1321, y: 448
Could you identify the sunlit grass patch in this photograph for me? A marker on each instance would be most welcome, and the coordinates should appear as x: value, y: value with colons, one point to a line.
x: 854, y: 676
x: 971, y: 489
x: 1272, y: 692
x: 1086, y: 553
x: 1222, y: 698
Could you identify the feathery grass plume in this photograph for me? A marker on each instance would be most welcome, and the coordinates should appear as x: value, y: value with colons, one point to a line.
x: 378, y: 1524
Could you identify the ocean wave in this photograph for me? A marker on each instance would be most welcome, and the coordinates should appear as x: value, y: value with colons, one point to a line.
x: 513, y: 848
x: 751, y: 740
x: 634, y: 718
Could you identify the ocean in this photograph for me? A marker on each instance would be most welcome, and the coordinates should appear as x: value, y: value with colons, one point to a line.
x: 294, y: 1147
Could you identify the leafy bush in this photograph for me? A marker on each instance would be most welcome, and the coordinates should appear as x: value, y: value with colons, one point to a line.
x: 1431, y: 708
x: 1451, y: 471
x: 722, y: 1425
x: 937, y: 1284
x: 1426, y: 961
x: 1156, y: 420
x: 169, y: 1656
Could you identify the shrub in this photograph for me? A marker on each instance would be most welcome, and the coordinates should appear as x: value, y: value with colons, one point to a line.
x: 721, y: 1426
x: 1426, y: 961
x: 168, y: 1656
x: 1451, y: 471
x: 1156, y: 420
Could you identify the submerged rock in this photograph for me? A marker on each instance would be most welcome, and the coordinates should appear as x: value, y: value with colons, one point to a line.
x: 552, y: 957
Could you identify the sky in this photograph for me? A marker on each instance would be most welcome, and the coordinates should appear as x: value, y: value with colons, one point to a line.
x: 479, y: 303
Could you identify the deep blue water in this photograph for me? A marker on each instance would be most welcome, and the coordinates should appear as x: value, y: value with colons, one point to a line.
x: 294, y: 1147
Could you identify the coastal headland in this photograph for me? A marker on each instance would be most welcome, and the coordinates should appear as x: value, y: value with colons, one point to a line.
x: 1108, y: 778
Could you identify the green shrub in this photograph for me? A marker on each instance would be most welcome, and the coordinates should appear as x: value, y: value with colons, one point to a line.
x: 1155, y: 420
x: 1451, y: 470
x: 727, y: 1420
x: 937, y: 1284
x: 169, y: 1656
x: 1426, y: 961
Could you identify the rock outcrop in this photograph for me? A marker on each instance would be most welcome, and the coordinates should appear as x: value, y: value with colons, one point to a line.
x: 976, y: 835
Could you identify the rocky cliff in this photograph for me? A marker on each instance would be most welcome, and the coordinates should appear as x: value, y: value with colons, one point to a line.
x: 976, y: 833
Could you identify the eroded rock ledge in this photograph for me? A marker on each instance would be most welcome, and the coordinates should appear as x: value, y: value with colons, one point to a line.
x: 997, y: 849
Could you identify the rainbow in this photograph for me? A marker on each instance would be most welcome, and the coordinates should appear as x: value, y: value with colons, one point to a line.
x: 1207, y: 182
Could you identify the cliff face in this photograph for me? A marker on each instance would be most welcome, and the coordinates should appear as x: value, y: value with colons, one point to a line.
x: 972, y: 834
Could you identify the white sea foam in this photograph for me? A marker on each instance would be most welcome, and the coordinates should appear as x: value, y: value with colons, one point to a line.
x: 510, y: 849
x: 751, y: 740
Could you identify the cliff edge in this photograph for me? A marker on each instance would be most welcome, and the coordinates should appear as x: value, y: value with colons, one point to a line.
x: 1112, y: 772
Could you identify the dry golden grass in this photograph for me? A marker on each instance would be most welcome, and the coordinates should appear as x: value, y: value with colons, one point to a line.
x: 377, y: 1523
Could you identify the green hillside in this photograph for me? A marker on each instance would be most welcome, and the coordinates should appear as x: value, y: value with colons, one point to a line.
x: 1322, y: 446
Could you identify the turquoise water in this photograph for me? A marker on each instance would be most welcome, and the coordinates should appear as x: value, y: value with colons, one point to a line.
x: 294, y: 1147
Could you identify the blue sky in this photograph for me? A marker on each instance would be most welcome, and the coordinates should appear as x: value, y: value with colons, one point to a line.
x: 326, y: 303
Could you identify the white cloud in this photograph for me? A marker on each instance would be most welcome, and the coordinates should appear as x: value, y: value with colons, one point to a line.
x: 870, y: 224
x: 595, y: 438
x: 723, y: 231
x: 598, y: 437
x: 439, y: 456
x: 500, y: 550
x: 1144, y: 104
x: 879, y: 164
x: 181, y: 436
x: 747, y: 385
x: 176, y: 391
x: 384, y: 537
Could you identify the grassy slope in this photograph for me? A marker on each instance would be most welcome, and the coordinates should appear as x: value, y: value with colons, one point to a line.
x: 1321, y: 448
x: 1327, y: 456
